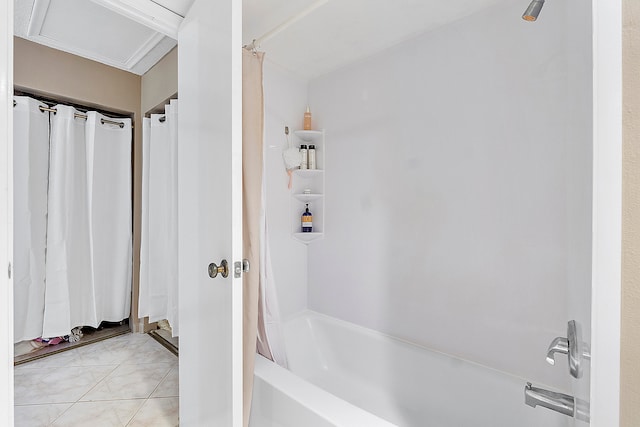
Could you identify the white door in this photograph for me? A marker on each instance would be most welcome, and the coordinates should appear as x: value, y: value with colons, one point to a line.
x: 210, y: 213
x: 6, y: 211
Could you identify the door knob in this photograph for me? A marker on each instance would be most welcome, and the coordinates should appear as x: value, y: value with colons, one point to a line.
x: 222, y: 269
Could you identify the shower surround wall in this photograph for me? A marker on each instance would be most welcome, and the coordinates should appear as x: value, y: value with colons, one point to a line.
x: 459, y: 189
x: 285, y: 97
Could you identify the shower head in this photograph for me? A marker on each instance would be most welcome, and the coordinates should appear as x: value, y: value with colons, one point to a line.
x: 532, y: 12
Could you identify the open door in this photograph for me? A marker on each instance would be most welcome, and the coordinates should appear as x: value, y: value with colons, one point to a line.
x: 6, y: 211
x: 210, y: 214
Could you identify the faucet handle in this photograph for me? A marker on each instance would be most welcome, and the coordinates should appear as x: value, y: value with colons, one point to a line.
x: 573, y: 347
x: 558, y: 345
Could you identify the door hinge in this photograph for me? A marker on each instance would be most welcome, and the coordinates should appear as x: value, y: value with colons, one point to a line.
x: 9, y: 271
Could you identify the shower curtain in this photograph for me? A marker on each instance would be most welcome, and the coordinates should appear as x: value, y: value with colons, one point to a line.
x: 31, y: 165
x: 69, y: 295
x: 261, y: 315
x: 252, y: 162
x: 270, y: 339
x: 158, y: 298
x: 87, y: 269
x: 89, y: 235
x: 110, y: 216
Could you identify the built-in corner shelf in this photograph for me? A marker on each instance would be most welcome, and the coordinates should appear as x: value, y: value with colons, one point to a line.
x: 308, y: 187
x: 309, y: 172
x: 309, y: 135
x: 306, y: 198
x: 308, y: 237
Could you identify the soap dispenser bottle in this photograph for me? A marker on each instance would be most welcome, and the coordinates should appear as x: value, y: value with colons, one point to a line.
x: 306, y: 125
x: 307, y: 220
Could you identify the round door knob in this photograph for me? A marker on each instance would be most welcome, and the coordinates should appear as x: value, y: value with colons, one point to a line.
x: 222, y: 269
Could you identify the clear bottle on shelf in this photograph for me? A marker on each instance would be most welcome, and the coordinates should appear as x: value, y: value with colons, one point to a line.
x: 303, y: 154
x: 311, y: 155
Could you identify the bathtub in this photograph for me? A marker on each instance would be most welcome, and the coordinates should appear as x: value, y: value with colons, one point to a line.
x: 341, y: 374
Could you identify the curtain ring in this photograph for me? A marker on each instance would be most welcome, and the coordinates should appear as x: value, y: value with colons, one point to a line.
x: 252, y: 47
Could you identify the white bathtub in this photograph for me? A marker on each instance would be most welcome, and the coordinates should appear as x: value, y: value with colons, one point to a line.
x: 345, y: 375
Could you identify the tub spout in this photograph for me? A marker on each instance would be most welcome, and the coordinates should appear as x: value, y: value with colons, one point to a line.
x: 558, y: 402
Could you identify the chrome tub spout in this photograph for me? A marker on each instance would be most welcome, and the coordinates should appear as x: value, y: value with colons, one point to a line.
x: 559, y: 402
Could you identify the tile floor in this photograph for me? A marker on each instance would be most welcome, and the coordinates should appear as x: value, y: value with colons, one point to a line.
x: 129, y: 380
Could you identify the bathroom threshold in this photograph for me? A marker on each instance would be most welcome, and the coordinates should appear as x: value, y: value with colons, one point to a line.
x: 89, y: 336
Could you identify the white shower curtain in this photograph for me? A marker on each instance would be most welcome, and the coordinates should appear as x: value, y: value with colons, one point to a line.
x: 268, y: 300
x: 143, y: 282
x: 159, y: 238
x: 31, y: 165
x: 69, y: 296
x: 109, y: 184
x: 88, y: 265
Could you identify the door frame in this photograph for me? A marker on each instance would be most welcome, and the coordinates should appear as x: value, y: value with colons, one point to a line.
x: 607, y: 213
x: 607, y: 193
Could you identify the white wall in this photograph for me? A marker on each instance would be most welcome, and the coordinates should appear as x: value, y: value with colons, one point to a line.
x: 285, y: 102
x: 458, y: 190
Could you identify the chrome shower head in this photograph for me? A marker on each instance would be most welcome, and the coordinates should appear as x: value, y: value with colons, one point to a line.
x: 532, y: 12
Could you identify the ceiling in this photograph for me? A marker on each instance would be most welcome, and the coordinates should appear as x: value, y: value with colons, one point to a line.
x: 339, y: 32
x: 180, y: 7
x: 102, y: 30
x: 134, y: 34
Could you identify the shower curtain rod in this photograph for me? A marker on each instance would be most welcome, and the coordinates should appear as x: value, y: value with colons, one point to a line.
x: 79, y: 115
x: 284, y: 25
x: 84, y: 116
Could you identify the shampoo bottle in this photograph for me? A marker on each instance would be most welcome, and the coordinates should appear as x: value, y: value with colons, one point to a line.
x: 311, y: 157
x: 307, y: 221
x: 304, y: 164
